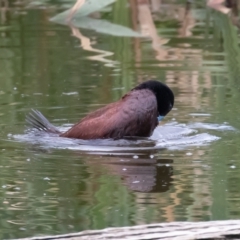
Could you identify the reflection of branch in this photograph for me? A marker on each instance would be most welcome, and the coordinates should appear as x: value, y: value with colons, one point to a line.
x: 3, y: 9
x: 233, y: 5
x: 156, y: 5
x: 188, y: 22
x: 85, y: 41
x: 73, y: 10
x: 86, y: 45
x: 217, y: 5
x: 149, y: 29
x: 136, y: 41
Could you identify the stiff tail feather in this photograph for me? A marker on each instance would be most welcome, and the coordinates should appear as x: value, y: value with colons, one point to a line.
x: 36, y: 120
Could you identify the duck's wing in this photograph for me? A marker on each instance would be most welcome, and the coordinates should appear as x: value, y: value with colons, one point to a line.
x: 134, y: 115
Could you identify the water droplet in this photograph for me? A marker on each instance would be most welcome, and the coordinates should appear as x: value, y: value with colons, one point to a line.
x: 136, y: 182
x: 70, y: 93
x: 135, y: 156
x: 199, y: 114
x: 46, y: 178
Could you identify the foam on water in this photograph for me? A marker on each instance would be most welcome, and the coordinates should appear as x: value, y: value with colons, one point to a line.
x: 172, y: 136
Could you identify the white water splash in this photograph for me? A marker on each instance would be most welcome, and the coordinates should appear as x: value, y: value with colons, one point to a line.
x: 172, y: 136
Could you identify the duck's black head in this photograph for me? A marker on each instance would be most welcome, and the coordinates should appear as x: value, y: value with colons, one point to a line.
x: 164, y: 95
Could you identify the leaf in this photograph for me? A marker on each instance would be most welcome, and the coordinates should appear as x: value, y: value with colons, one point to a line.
x: 99, y: 25
x: 81, y: 21
x: 88, y: 7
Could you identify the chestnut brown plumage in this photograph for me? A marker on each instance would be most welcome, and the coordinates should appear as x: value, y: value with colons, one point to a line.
x: 135, y: 114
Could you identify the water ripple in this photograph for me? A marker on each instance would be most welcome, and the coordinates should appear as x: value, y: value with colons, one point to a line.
x: 172, y: 136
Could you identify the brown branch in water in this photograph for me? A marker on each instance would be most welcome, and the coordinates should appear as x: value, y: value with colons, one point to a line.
x: 4, y: 7
x: 155, y: 5
x: 86, y: 45
x: 230, y: 6
x: 232, y: 3
x: 148, y: 28
x: 218, y: 5
x: 136, y: 41
x: 187, y: 22
x: 74, y: 9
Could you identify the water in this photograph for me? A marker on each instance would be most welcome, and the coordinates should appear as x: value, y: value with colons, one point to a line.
x: 188, y: 171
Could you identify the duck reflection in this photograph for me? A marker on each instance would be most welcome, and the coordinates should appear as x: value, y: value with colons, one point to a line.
x: 142, y: 174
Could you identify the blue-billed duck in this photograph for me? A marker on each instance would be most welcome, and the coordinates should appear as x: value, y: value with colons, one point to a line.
x: 136, y: 114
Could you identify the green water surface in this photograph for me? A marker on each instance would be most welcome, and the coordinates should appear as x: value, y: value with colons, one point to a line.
x: 43, y: 66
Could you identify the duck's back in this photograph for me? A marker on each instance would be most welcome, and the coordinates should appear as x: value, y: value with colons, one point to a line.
x: 133, y: 115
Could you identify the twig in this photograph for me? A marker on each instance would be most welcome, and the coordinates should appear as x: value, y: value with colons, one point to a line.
x: 73, y: 10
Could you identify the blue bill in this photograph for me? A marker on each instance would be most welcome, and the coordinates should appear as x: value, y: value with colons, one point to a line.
x: 160, y: 118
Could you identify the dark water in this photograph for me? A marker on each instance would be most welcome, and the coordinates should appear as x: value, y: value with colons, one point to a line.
x: 52, y: 186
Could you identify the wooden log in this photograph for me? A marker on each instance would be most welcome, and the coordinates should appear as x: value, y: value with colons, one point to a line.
x: 214, y: 230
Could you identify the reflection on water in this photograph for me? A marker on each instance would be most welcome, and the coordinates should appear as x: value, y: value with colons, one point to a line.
x: 187, y: 171
x: 142, y: 174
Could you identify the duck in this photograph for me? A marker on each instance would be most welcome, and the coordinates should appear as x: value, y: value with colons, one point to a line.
x: 136, y: 114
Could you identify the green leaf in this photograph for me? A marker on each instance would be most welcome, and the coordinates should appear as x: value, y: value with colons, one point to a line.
x: 88, y: 7
x: 101, y: 26
x: 81, y: 20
